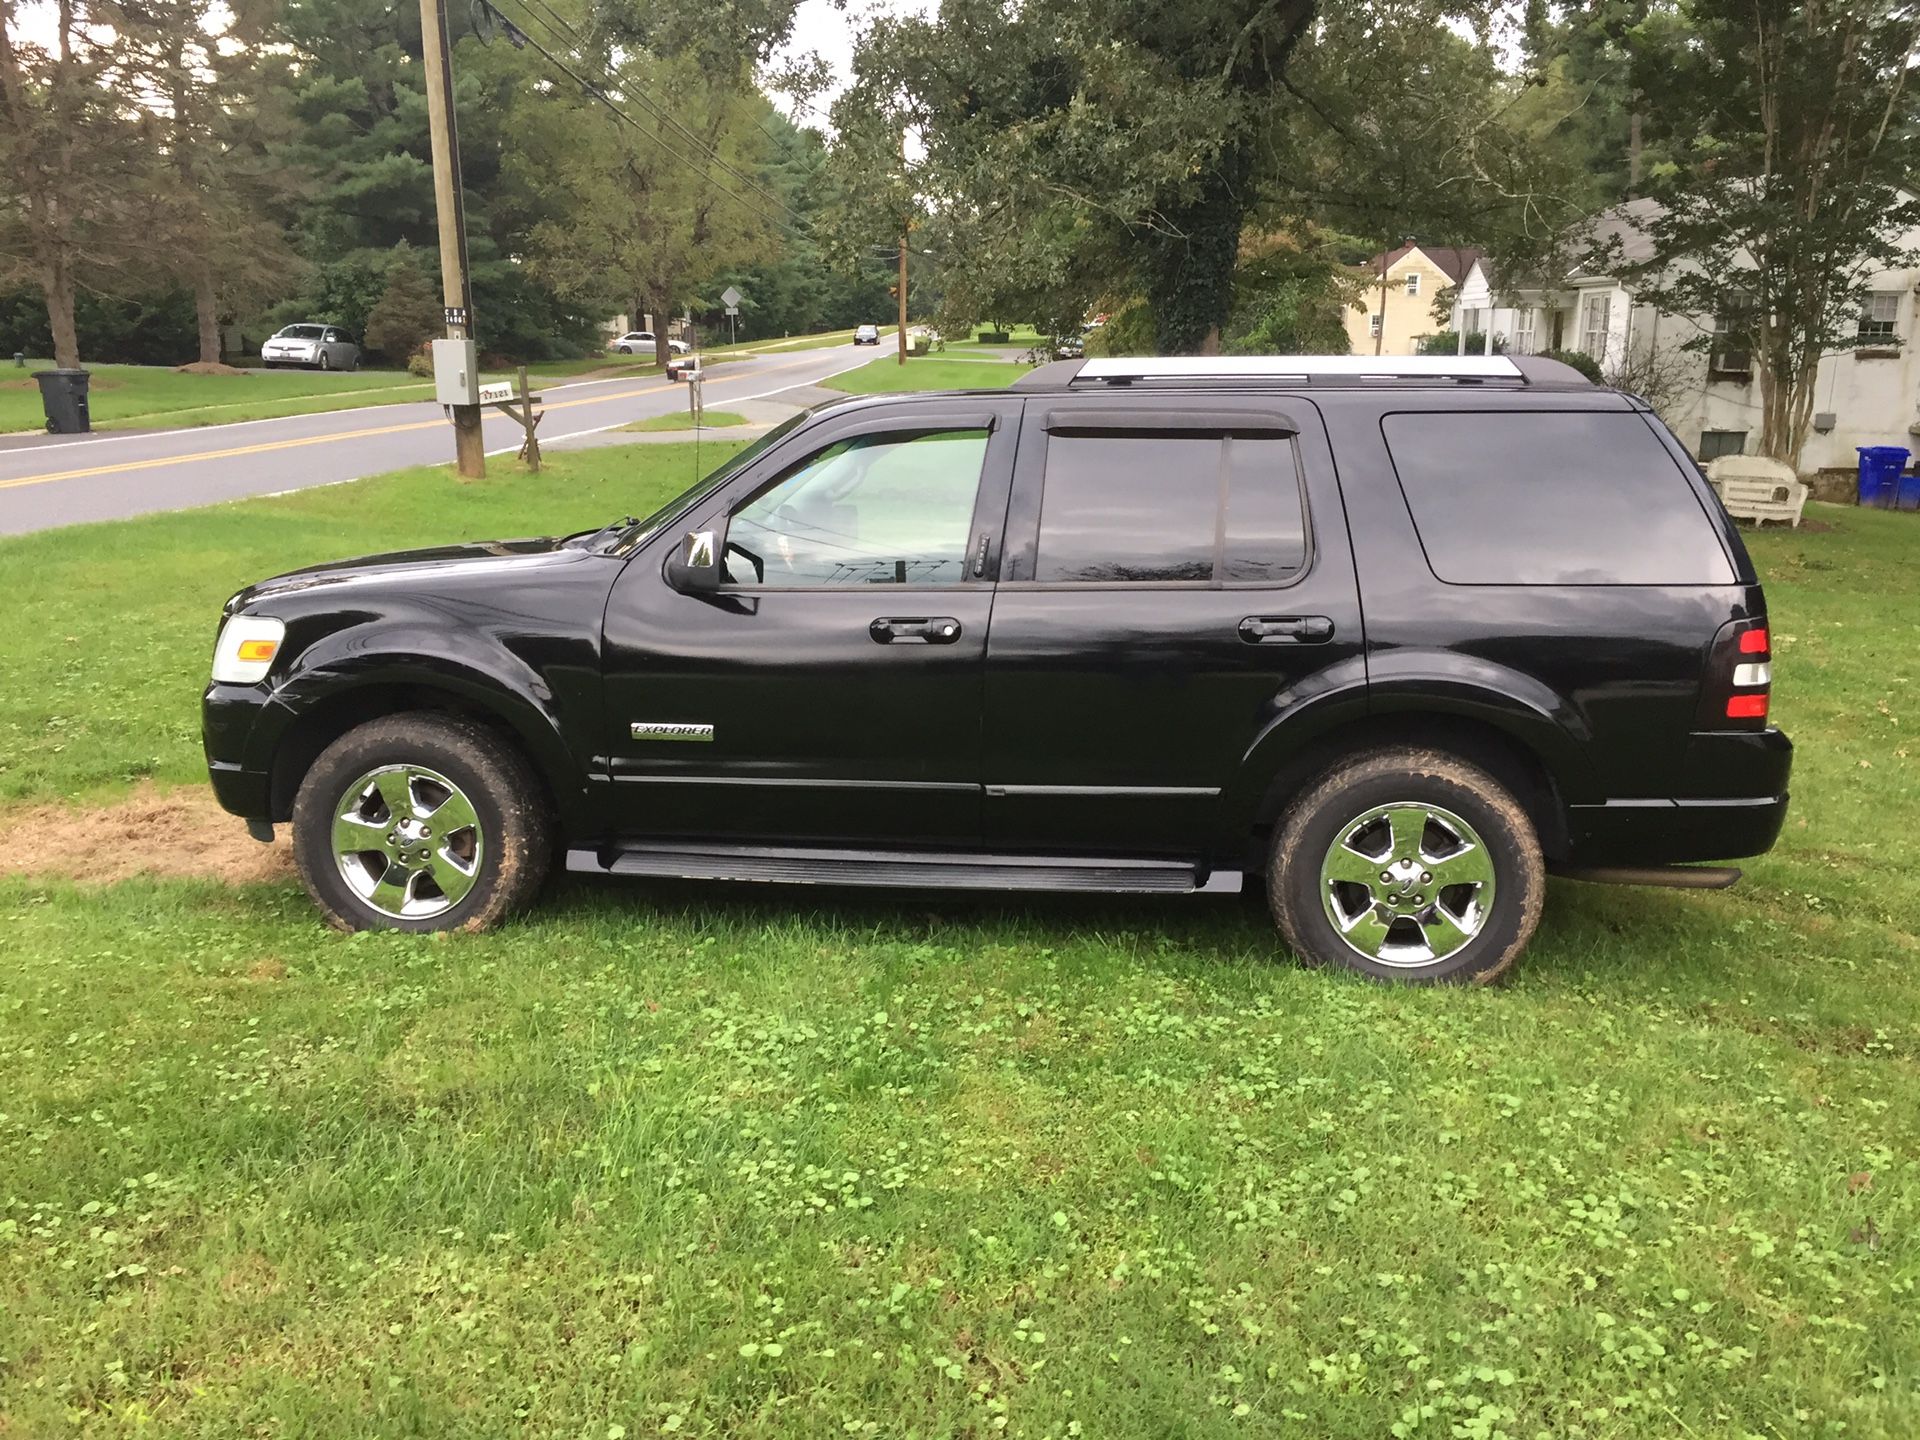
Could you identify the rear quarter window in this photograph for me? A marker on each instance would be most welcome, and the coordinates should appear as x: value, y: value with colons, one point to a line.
x: 1551, y: 498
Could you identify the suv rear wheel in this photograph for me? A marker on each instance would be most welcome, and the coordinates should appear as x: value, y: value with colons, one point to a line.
x: 1408, y: 864
x: 420, y: 822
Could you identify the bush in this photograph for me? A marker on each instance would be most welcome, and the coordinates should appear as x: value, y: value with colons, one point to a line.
x: 420, y: 362
x: 1579, y: 360
x: 995, y: 337
x: 408, y: 311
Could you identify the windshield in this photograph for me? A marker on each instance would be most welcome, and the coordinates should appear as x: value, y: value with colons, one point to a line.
x: 301, y: 332
x: 631, y: 538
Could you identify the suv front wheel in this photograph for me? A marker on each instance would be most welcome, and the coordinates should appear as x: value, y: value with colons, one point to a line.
x: 420, y: 822
x: 1408, y: 864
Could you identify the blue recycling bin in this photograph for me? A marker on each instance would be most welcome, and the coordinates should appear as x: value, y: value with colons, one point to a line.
x: 1906, y: 493
x: 1880, y: 467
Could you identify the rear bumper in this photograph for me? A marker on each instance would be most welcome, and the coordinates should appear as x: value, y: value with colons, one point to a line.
x: 1736, y: 806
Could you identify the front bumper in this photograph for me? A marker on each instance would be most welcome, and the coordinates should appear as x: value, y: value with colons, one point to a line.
x: 227, y: 716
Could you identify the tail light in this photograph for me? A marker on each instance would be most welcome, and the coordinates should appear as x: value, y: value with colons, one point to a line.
x: 1739, y: 679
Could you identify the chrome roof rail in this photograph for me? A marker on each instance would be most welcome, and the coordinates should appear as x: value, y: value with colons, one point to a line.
x: 1301, y: 370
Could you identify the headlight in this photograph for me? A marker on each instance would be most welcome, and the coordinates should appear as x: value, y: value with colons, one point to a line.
x: 244, y: 652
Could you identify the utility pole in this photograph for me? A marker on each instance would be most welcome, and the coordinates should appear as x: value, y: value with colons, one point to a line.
x: 903, y: 295
x: 456, y: 286
x: 1380, y: 320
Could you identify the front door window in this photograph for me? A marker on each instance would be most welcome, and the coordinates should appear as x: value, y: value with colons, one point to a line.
x: 871, y: 510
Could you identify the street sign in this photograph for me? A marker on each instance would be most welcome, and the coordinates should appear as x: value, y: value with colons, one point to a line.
x: 733, y: 309
x: 456, y: 315
x: 731, y: 298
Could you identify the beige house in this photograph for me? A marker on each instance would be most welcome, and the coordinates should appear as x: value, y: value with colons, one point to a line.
x: 1393, y: 317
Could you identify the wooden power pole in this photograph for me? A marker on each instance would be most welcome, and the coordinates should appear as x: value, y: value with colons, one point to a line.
x: 456, y: 285
x: 903, y: 296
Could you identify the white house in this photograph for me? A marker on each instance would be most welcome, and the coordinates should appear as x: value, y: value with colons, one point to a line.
x: 1868, y: 394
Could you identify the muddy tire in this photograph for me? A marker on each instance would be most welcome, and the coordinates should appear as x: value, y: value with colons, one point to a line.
x: 1408, y: 865
x: 421, y: 821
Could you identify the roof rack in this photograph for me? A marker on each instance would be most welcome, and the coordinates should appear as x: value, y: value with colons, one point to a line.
x: 1302, y: 370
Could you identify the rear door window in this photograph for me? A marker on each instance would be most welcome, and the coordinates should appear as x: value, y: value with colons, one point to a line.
x: 1170, y: 508
x: 1565, y: 498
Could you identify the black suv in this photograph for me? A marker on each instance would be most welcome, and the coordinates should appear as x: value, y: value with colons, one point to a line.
x: 1398, y: 636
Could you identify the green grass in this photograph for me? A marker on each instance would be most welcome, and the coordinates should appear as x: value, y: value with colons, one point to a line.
x: 142, y: 397
x: 925, y: 373
x: 683, y: 1159
x: 681, y: 420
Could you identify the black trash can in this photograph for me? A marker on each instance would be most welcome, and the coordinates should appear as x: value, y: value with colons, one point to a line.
x: 63, y: 395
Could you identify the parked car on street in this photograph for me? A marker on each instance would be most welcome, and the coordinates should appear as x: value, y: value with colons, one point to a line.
x: 315, y: 347
x: 1069, y: 347
x: 1328, y: 626
x: 641, y: 342
x: 866, y: 335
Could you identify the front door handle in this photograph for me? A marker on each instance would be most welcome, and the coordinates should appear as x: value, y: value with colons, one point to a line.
x: 1286, y: 629
x: 915, y: 630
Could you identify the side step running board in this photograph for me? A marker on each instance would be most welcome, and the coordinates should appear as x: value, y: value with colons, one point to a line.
x: 903, y: 868
x: 1675, y: 877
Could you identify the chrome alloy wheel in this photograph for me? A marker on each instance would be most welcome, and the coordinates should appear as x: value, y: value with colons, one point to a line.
x: 407, y: 841
x: 1407, y: 884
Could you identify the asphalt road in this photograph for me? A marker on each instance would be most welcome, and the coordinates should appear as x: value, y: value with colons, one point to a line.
x: 49, y: 481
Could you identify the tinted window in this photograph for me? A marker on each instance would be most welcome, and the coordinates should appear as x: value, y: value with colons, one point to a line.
x: 1266, y: 531
x: 874, y: 510
x: 1552, y: 499
x: 1140, y: 507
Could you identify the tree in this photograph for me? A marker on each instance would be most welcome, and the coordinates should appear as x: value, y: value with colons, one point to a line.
x: 1063, y: 150
x: 407, y: 314
x: 67, y: 145
x: 1791, y: 124
x: 218, y: 206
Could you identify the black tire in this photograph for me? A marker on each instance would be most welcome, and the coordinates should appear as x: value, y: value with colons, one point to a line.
x: 513, y: 837
x: 1410, y: 780
x: 326, y: 361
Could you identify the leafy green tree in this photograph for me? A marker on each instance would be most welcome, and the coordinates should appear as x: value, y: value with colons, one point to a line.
x: 1792, y: 130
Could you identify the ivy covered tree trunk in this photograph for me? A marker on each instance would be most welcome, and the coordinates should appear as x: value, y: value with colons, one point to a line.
x: 1189, y: 274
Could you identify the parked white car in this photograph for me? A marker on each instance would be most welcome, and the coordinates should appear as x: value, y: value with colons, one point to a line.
x: 322, y: 347
x: 641, y: 342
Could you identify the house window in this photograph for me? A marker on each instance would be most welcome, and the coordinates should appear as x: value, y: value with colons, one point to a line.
x: 1523, y: 341
x: 1373, y: 326
x: 1594, y: 312
x: 1715, y: 443
x: 1413, y: 282
x: 1877, y: 318
x: 1731, y: 353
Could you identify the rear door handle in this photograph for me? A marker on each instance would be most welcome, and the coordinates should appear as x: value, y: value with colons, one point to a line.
x: 915, y: 630
x: 1286, y: 629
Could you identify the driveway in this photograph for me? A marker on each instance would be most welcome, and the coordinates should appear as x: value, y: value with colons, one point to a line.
x: 50, y: 481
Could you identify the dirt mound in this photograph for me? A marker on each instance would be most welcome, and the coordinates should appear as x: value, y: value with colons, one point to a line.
x: 202, y: 367
x: 174, y: 834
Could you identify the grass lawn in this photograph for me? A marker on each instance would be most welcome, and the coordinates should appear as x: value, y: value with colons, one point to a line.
x: 700, y: 1160
x: 929, y: 372
x: 681, y: 420
x: 144, y: 397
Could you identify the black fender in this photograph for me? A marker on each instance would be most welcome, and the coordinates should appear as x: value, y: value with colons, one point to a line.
x: 1470, y: 687
x: 423, y: 662
x: 1386, y: 699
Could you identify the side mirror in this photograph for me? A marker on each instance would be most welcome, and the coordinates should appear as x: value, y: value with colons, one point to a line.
x: 695, y: 567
